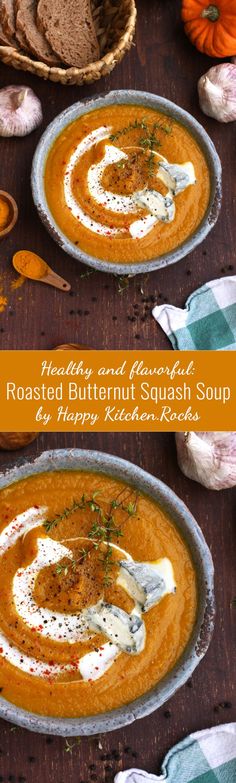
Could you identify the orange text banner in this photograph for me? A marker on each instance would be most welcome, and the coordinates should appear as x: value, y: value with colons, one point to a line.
x: 117, y: 391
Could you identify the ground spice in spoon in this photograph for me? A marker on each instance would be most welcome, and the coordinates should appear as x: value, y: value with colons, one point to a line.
x: 29, y: 264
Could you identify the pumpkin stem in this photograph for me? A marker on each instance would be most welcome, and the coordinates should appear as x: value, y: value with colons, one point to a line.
x: 211, y: 12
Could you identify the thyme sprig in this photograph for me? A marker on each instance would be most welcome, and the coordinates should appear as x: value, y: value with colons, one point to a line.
x: 102, y: 531
x: 64, y: 568
x: 70, y: 745
x: 149, y: 141
x: 123, y: 283
x: 136, y: 125
x: 88, y: 273
x: 50, y: 524
x: 107, y: 563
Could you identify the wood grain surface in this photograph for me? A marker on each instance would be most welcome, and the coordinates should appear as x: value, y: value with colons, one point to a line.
x: 100, y: 315
x: 163, y: 61
x: 206, y: 700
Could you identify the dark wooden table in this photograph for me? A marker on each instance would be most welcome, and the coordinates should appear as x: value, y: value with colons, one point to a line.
x: 98, y: 313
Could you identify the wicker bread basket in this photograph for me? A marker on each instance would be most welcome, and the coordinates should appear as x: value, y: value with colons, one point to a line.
x: 115, y: 25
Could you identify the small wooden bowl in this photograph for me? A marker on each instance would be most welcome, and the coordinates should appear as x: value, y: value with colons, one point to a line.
x: 72, y: 346
x: 13, y: 213
x: 12, y: 441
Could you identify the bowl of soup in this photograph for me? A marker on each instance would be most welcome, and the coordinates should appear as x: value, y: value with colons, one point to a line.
x: 106, y: 603
x: 127, y: 182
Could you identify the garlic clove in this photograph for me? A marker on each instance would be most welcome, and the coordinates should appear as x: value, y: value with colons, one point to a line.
x: 208, y: 457
x: 20, y: 111
x: 17, y: 98
x: 217, y: 92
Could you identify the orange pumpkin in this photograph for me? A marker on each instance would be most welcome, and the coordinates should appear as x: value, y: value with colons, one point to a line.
x: 211, y: 26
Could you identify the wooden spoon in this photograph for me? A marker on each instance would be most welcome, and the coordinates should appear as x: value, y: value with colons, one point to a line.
x: 38, y: 270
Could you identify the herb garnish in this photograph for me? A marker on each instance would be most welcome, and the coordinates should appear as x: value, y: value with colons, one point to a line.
x: 102, y: 531
x: 148, y: 141
x: 50, y: 524
x: 132, y: 126
x: 87, y: 273
x: 123, y: 283
x: 70, y: 745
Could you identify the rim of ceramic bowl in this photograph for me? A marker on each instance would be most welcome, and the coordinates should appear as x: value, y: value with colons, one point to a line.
x: 144, y: 99
x: 96, y: 461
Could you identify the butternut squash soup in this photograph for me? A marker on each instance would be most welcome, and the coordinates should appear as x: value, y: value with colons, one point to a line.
x: 98, y: 594
x: 126, y: 183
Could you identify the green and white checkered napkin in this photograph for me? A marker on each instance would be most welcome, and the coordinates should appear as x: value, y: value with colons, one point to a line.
x: 205, y: 757
x: 208, y: 321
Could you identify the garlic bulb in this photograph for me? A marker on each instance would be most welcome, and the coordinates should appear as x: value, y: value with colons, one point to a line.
x: 208, y: 457
x: 217, y: 92
x: 20, y: 111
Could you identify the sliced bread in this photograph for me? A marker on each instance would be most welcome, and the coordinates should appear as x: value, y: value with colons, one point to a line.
x: 70, y: 30
x: 7, y: 28
x: 8, y: 19
x: 26, y: 26
x: 4, y: 41
x: 20, y: 37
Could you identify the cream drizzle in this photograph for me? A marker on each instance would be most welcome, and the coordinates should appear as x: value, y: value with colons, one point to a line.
x: 51, y: 625
x: 76, y: 210
x: 29, y: 519
x: 160, y: 208
x: 57, y: 626
x: 107, y: 199
x: 92, y: 665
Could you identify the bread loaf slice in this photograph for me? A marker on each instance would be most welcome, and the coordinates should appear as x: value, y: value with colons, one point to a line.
x: 26, y: 25
x: 20, y: 37
x: 3, y: 38
x: 8, y: 19
x: 4, y: 41
x: 70, y: 30
x: 7, y: 26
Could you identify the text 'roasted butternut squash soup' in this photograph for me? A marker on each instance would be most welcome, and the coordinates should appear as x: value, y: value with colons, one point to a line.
x: 126, y: 183
x: 98, y: 594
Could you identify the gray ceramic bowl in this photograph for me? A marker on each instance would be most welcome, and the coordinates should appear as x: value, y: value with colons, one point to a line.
x: 77, y: 459
x: 143, y: 99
